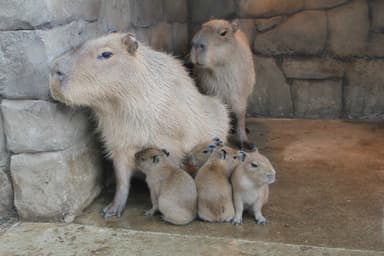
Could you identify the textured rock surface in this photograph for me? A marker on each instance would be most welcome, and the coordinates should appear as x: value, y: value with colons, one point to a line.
x: 176, y: 10
x: 3, y: 149
x: 115, y: 15
x: 6, y: 194
x: 180, y: 40
x: 317, y: 99
x: 271, y: 95
x: 25, y: 57
x: 322, y: 4
x: 27, y: 14
x: 318, y: 68
x: 377, y: 8
x: 56, y: 185
x: 203, y: 10
x: 268, y: 8
x: 303, y: 33
x: 266, y: 24
x: 145, y: 13
x: 349, y: 29
x: 35, y: 126
x: 364, y: 92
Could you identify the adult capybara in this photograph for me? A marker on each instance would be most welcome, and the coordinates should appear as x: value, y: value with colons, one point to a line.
x: 223, y: 66
x: 141, y: 98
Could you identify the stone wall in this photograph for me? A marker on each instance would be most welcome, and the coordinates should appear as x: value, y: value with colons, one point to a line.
x: 47, y: 153
x: 313, y: 58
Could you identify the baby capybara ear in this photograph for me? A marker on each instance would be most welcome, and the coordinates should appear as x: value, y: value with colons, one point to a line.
x: 223, y: 154
x: 166, y: 152
x: 130, y: 43
x: 234, y: 26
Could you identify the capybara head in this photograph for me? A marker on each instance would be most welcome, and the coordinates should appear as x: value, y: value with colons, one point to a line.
x: 147, y: 158
x: 228, y: 157
x: 200, y: 153
x: 213, y: 44
x: 94, y: 72
x: 259, y: 169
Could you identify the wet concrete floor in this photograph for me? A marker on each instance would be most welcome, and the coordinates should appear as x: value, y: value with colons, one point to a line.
x: 329, y: 191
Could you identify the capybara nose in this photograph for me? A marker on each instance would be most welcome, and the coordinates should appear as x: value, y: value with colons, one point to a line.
x: 60, y: 75
x: 271, y: 177
x: 199, y: 45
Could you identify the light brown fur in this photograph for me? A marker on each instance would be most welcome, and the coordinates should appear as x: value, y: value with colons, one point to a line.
x: 214, y: 203
x: 223, y: 66
x: 173, y: 191
x: 250, y: 182
x: 141, y: 98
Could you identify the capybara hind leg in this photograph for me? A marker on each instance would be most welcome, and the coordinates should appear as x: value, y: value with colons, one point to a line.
x: 123, y: 175
x: 241, y: 137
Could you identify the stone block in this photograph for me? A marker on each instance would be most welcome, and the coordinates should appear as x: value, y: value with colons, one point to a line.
x: 176, y: 10
x: 29, y: 14
x: 203, y: 10
x: 25, y: 57
x: 349, y: 29
x: 4, y: 157
x: 377, y: 9
x: 6, y: 194
x: 364, y: 91
x: 145, y: 13
x: 267, y: 24
x: 323, y: 4
x: 36, y: 126
x: 115, y: 16
x: 304, y: 33
x: 56, y: 186
x: 318, y: 68
x: 180, y: 40
x: 271, y: 95
x: 268, y: 8
x: 317, y: 99
x: 161, y: 37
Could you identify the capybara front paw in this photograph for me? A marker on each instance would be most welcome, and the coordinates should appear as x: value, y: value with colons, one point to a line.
x: 150, y: 212
x: 237, y: 221
x: 261, y: 221
x: 112, y: 210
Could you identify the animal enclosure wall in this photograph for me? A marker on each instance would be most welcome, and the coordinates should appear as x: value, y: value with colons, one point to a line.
x: 313, y: 59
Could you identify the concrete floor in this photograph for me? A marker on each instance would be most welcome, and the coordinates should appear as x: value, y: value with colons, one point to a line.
x: 329, y: 192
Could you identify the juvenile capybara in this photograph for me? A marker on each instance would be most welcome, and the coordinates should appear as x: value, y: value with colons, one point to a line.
x: 223, y: 66
x: 250, y: 182
x: 141, y: 98
x: 199, y: 155
x: 214, y: 191
x: 173, y: 191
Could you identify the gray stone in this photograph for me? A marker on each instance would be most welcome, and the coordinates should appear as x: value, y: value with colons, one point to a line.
x: 56, y: 185
x: 349, y: 29
x: 303, y: 33
x: 145, y: 13
x: 248, y: 26
x: 317, y: 99
x: 115, y: 16
x: 377, y: 8
x: 268, y: 8
x: 180, y: 39
x: 161, y: 37
x: 271, y: 95
x: 203, y: 10
x: 36, y: 126
x: 267, y: 24
x: 364, y: 91
x: 25, y: 57
x: 4, y: 157
x: 318, y: 68
x: 6, y: 194
x: 323, y: 4
x: 375, y: 45
x: 28, y: 14
x: 176, y: 10
x: 143, y: 35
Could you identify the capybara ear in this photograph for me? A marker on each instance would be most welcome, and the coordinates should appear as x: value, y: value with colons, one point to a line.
x: 165, y: 152
x: 234, y: 26
x: 155, y: 159
x: 223, y: 154
x: 130, y: 42
x: 242, y: 156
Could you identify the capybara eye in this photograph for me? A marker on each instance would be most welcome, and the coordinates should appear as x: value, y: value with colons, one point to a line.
x: 223, y: 33
x: 205, y: 151
x: 254, y: 165
x: 105, y: 55
x: 235, y: 157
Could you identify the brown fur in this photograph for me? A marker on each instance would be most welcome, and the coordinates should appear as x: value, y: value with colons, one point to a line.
x: 214, y: 203
x: 173, y: 191
x: 250, y: 182
x: 223, y: 66
x: 141, y: 98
